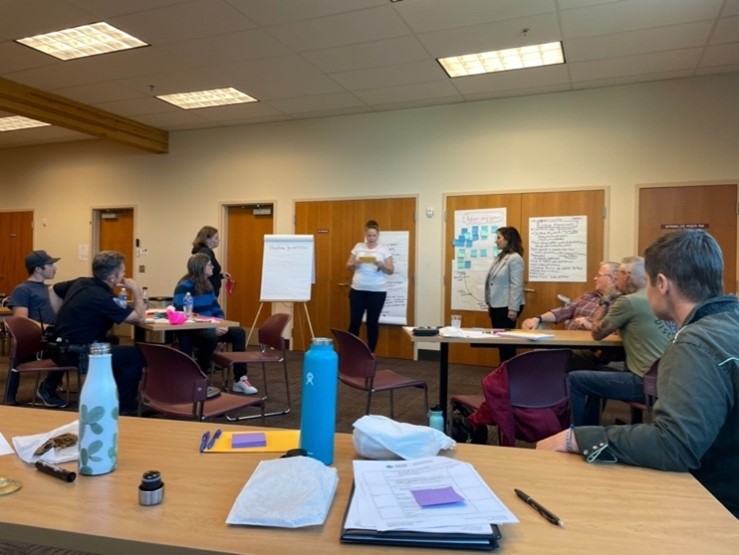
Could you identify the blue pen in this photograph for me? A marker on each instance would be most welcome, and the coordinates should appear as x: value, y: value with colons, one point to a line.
x: 204, y: 441
x: 212, y: 441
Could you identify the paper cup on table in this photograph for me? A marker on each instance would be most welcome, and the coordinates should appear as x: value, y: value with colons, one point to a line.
x: 456, y: 321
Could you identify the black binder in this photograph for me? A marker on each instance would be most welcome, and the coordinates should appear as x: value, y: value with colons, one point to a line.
x: 407, y: 538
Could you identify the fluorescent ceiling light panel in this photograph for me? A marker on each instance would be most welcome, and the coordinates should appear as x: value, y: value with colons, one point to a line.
x: 206, y: 99
x: 13, y: 123
x: 80, y: 42
x: 504, y: 60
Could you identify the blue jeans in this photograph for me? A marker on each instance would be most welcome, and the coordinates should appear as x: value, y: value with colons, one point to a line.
x: 589, y: 387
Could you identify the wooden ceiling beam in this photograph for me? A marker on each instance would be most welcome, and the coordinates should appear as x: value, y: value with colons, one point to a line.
x: 57, y: 110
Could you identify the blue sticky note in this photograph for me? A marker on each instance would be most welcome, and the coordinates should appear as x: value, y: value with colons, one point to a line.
x: 436, y: 496
x: 240, y: 441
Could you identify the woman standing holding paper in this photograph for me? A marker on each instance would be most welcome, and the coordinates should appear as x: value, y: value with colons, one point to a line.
x: 371, y: 262
x: 504, y: 284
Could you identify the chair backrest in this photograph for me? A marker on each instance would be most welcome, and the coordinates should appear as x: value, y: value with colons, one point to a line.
x: 26, y: 336
x: 355, y: 358
x: 271, y: 332
x: 538, y: 379
x: 650, y: 382
x: 171, y: 376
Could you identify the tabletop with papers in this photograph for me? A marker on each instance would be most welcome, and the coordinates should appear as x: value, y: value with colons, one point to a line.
x: 440, y: 501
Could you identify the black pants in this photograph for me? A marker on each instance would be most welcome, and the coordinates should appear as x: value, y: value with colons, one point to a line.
x: 499, y: 319
x: 371, y: 302
x: 127, y: 362
x: 205, y: 342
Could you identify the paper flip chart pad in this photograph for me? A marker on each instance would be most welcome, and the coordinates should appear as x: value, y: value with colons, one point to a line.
x: 288, y: 268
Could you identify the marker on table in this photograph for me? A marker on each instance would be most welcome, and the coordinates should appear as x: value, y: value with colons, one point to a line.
x: 543, y: 511
x: 213, y: 439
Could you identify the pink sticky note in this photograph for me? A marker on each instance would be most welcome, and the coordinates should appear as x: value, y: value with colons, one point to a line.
x: 241, y: 441
x: 436, y: 496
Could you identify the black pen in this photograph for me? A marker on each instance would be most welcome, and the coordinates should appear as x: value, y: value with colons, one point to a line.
x: 543, y: 511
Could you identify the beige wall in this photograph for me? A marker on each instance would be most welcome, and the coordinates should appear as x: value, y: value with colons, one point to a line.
x: 670, y: 132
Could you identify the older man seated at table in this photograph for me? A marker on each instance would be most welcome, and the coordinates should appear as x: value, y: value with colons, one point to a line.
x: 578, y: 315
x: 644, y: 339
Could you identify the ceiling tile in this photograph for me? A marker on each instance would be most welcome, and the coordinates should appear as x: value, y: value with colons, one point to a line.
x: 318, y: 103
x: 400, y: 74
x: 660, y: 62
x: 279, y: 12
x: 721, y: 55
x: 368, y: 54
x: 411, y: 93
x: 511, y: 80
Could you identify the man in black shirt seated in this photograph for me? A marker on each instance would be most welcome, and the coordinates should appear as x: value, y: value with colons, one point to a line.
x: 87, y: 308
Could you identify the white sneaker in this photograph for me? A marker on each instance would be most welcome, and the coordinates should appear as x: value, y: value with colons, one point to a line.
x: 243, y: 386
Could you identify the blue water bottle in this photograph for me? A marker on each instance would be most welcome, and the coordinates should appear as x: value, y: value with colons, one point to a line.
x: 318, y: 405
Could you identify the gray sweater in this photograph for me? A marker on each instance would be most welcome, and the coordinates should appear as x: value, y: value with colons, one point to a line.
x: 696, y: 418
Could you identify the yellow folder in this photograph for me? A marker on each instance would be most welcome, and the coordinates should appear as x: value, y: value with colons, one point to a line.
x: 278, y: 441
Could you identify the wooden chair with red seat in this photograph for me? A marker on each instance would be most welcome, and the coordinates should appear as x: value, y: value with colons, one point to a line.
x: 358, y: 369
x: 272, y: 350
x: 26, y: 341
x: 173, y: 384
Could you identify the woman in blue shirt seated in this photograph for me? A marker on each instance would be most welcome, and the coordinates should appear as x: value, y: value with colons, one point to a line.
x: 197, y: 283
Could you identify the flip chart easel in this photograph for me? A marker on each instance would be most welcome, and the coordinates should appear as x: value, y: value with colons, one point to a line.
x: 288, y: 270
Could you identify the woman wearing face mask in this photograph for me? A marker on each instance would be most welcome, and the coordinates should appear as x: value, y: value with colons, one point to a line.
x: 504, y: 284
x: 371, y: 262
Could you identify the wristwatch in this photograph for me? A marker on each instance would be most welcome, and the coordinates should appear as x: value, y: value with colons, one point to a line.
x: 539, y: 318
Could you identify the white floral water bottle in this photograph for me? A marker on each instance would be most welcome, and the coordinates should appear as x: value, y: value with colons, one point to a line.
x: 99, y: 415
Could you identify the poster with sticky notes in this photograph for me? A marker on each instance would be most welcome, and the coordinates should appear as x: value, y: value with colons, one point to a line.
x: 273, y: 441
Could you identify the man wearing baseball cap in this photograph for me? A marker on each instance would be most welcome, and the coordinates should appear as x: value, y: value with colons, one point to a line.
x: 30, y: 299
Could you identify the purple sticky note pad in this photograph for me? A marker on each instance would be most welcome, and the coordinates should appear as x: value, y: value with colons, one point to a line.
x: 241, y: 441
x: 436, y: 496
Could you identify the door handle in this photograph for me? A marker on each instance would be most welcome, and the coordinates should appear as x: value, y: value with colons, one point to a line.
x: 343, y: 284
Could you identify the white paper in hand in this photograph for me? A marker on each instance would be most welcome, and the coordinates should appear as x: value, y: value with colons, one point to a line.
x: 286, y: 493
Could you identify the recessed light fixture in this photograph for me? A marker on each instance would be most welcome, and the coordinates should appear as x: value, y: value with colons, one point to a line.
x: 504, y: 60
x: 13, y: 123
x: 206, y: 99
x: 80, y: 42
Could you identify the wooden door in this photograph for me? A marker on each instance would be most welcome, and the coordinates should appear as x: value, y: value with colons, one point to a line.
x: 712, y: 207
x: 539, y: 296
x: 336, y: 227
x: 115, y: 233
x: 243, y: 260
x: 16, y: 241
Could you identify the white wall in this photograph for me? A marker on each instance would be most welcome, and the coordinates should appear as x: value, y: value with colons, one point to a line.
x: 669, y: 132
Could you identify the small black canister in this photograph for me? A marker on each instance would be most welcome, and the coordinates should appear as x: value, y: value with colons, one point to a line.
x: 151, y: 490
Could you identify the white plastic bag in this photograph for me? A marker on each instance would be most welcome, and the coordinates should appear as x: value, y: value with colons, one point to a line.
x: 286, y: 493
x: 381, y: 438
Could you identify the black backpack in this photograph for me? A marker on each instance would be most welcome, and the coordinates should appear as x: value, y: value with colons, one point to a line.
x: 462, y: 430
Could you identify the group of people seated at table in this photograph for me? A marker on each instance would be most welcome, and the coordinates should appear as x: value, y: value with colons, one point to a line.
x: 695, y: 421
x: 82, y: 311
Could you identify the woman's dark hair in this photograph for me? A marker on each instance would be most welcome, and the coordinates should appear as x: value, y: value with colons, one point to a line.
x: 515, y: 243
x: 372, y: 224
x: 201, y: 239
x: 196, y: 273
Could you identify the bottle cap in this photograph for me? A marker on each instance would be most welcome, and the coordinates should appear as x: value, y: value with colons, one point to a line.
x: 100, y: 349
x: 322, y: 341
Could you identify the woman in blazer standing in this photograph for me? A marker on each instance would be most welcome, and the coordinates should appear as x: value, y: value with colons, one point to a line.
x: 504, y: 284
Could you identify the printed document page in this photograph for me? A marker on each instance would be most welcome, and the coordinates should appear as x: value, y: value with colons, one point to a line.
x: 454, y: 498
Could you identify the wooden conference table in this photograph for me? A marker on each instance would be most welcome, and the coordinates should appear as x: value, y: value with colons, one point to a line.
x: 606, y: 508
x: 569, y: 339
x: 163, y: 326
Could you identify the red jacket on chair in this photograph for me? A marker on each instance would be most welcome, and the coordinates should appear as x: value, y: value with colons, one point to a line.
x: 527, y: 424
